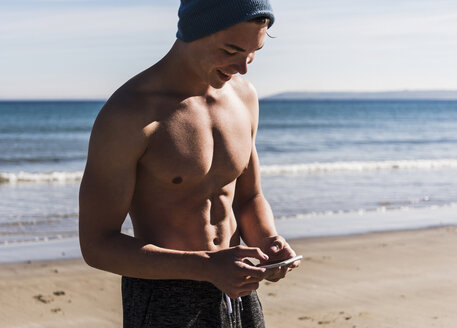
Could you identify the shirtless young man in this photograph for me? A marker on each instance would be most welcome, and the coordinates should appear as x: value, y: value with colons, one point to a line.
x: 174, y: 147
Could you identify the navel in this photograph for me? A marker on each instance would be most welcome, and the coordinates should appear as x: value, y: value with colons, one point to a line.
x: 177, y: 180
x: 217, y: 241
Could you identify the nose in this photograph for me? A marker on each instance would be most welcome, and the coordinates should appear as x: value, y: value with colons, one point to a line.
x: 242, y: 66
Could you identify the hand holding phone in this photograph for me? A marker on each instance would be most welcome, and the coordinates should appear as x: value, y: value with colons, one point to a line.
x: 282, y: 263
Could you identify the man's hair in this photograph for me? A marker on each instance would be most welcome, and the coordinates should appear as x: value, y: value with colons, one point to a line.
x: 261, y: 20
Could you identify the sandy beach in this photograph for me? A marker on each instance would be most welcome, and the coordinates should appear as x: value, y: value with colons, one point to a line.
x: 391, y: 279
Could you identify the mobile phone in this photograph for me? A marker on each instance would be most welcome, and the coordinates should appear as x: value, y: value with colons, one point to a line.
x: 282, y: 263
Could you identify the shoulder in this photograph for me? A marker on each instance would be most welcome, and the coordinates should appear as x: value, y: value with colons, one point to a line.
x: 126, y: 120
x: 245, y: 90
x: 118, y: 114
x: 247, y: 94
x: 138, y: 103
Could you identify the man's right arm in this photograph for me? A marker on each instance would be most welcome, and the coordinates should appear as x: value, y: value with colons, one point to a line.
x: 117, y: 143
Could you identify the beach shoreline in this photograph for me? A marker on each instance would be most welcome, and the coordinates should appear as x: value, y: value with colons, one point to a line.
x: 384, y: 279
x: 310, y: 226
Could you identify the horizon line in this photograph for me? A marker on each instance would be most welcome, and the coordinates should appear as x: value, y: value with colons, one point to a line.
x: 51, y: 99
x: 276, y: 94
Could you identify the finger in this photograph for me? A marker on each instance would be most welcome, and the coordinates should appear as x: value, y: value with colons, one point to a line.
x: 272, y: 273
x: 254, y: 252
x: 286, y: 252
x: 277, y: 245
x: 250, y: 280
x: 250, y: 287
x: 232, y: 294
x: 273, y: 279
x: 282, y: 269
x: 245, y: 293
x: 296, y: 264
x: 277, y: 273
x: 236, y: 291
x: 261, y: 274
x: 292, y: 266
x: 252, y: 271
x: 248, y: 262
x: 244, y: 290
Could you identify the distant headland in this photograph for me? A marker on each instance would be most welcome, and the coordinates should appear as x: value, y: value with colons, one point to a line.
x: 379, y: 95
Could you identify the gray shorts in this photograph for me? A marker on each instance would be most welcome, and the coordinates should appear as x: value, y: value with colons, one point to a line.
x: 185, y: 304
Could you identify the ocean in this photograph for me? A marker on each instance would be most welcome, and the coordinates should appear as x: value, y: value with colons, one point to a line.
x: 324, y: 164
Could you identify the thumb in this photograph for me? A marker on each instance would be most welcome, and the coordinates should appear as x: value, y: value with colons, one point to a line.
x: 276, y: 246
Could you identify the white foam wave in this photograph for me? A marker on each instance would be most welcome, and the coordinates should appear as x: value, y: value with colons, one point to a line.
x: 307, y: 168
x: 304, y: 168
x: 363, y: 211
x: 40, y: 177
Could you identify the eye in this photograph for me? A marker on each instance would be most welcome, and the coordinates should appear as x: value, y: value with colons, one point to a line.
x: 229, y: 53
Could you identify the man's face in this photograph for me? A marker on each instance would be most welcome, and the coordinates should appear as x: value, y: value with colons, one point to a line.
x: 228, y: 52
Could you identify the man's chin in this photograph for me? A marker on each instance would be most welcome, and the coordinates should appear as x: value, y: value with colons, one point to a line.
x: 218, y: 84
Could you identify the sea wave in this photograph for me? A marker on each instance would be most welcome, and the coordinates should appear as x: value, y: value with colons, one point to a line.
x: 41, y: 159
x: 363, y: 211
x: 301, y: 168
x: 7, y: 177
x: 319, y: 167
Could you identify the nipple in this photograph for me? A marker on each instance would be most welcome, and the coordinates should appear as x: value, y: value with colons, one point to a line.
x: 177, y: 180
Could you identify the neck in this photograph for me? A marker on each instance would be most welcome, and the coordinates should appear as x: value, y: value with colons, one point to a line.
x: 179, y: 72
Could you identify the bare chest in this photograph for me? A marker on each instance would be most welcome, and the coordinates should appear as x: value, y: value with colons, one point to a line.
x: 195, y: 144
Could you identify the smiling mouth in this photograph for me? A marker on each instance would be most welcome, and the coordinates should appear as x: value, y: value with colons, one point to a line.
x: 224, y: 76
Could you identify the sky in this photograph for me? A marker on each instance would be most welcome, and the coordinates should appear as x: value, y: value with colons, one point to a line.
x: 86, y: 49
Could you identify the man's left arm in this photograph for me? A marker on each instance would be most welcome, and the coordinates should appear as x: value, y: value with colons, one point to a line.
x: 253, y: 212
x: 256, y: 221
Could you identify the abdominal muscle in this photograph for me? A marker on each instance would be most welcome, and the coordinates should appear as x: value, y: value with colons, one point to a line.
x: 191, y: 222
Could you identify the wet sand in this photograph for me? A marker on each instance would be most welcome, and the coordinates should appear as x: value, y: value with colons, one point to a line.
x: 392, y: 279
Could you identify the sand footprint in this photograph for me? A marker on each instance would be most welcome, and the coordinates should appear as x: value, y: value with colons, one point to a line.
x: 45, y: 299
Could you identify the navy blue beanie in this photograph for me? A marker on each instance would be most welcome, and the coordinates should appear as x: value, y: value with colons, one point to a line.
x: 198, y: 18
